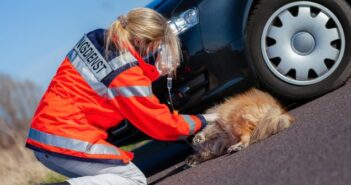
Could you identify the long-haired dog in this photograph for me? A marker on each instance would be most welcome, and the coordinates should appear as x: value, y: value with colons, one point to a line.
x: 243, y: 119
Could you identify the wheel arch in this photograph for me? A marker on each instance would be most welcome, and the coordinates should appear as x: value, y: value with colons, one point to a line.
x: 251, y: 4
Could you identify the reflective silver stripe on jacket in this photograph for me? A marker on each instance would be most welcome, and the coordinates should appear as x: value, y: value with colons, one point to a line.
x: 131, y: 91
x: 71, y: 144
x: 121, y: 60
x: 90, y: 78
x: 191, y: 123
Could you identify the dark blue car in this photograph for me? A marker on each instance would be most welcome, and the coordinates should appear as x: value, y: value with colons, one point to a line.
x: 296, y: 50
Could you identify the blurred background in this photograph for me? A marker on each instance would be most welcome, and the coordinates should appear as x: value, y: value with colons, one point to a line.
x: 35, y: 36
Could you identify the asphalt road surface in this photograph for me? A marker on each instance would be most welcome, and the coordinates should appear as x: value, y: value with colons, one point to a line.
x: 315, y: 150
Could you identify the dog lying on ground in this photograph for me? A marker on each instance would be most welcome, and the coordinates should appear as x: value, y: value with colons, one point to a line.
x: 243, y: 119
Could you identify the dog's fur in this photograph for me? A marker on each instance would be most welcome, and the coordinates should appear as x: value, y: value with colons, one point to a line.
x: 243, y: 119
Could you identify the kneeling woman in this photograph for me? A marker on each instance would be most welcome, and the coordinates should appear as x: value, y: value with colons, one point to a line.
x: 102, y: 81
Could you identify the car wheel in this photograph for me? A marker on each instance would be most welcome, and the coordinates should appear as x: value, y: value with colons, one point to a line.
x: 300, y: 49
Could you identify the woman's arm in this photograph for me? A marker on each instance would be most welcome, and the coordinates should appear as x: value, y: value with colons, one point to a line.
x: 131, y: 92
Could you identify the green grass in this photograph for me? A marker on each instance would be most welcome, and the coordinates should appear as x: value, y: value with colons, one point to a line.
x: 53, y: 177
x: 134, y: 145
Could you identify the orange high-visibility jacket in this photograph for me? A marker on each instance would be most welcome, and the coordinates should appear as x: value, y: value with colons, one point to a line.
x: 91, y: 93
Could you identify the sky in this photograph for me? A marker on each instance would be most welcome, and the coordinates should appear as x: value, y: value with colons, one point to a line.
x: 36, y: 35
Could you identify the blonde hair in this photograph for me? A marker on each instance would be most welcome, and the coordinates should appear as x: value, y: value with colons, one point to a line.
x: 145, y: 30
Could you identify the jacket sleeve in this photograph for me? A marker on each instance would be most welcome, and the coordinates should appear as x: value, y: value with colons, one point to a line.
x: 131, y: 93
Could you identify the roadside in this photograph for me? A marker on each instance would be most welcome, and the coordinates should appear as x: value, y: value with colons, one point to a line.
x: 18, y: 164
x: 315, y: 150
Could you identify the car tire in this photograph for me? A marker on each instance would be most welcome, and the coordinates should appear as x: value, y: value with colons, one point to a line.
x: 294, y: 56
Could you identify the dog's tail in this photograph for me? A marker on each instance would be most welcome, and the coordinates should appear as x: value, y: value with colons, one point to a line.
x: 274, y: 121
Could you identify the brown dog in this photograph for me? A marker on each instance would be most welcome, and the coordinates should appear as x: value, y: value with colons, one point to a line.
x: 243, y: 119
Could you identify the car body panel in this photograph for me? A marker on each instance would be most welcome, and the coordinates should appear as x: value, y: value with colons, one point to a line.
x: 208, y: 52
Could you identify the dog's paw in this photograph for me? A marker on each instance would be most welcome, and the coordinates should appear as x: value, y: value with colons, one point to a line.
x: 198, y: 139
x: 235, y: 148
x: 191, y: 161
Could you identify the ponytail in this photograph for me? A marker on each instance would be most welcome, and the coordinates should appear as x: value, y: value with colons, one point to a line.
x: 151, y: 30
x: 117, y: 37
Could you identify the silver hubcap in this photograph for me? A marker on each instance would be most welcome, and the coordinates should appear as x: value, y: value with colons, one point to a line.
x: 303, y: 43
